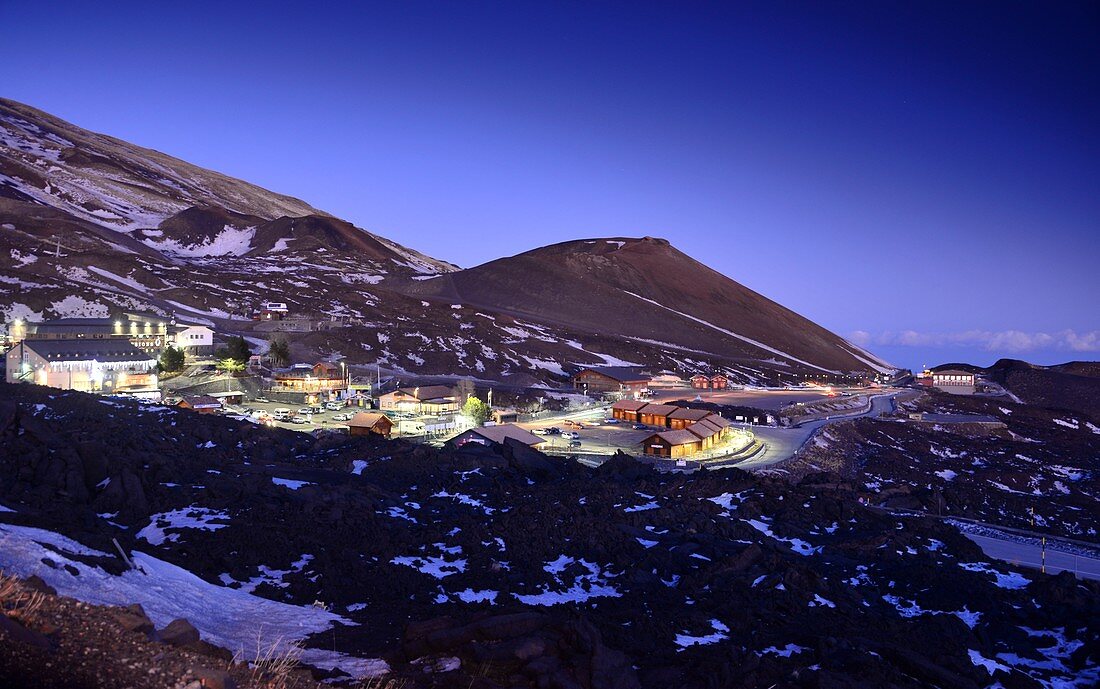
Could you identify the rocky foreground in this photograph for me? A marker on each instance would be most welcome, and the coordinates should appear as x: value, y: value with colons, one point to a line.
x: 1040, y: 471
x: 505, y: 568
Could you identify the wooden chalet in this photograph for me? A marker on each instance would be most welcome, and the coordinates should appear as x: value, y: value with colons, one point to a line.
x: 690, y: 431
x: 203, y: 404
x: 702, y: 381
x: 656, y: 414
x: 672, y: 444
x: 366, y: 423
x: 627, y: 410
x: 683, y: 417
x: 496, y: 435
x: 599, y: 379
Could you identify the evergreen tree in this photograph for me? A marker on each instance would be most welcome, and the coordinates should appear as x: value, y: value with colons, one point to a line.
x: 238, y: 349
x: 171, y: 359
x: 279, y: 350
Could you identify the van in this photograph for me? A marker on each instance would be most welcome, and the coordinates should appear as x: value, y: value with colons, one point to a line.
x: 281, y: 414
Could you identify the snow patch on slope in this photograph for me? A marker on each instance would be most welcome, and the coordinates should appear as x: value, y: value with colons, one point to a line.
x: 751, y: 341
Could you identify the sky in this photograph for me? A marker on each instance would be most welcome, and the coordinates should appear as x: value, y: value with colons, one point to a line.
x: 923, y: 178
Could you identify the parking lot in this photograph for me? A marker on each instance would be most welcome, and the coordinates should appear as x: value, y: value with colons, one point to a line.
x: 770, y: 400
x: 323, y: 419
x: 594, y: 434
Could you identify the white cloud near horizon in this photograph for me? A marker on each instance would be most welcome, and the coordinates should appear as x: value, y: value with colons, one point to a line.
x: 1008, y: 341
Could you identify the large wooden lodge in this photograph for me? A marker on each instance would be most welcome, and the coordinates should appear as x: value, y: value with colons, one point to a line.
x: 688, y: 430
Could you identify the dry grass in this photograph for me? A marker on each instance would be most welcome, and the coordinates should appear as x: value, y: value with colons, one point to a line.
x: 272, y: 662
x: 383, y: 683
x: 17, y: 601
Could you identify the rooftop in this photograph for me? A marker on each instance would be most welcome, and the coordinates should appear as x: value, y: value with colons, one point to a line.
x: 676, y: 437
x: 500, y: 433
x: 113, y: 350
x: 366, y: 419
x: 659, y: 409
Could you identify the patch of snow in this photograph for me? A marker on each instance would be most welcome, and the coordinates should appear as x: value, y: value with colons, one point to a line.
x: 192, y: 517
x: 290, y: 483
x: 226, y: 617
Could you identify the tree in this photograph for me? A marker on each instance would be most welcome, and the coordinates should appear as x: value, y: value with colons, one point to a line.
x: 476, y: 410
x: 230, y: 365
x: 171, y: 359
x: 278, y: 349
x: 239, y: 350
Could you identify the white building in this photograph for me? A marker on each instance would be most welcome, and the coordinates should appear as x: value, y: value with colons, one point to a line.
x: 952, y: 378
x: 194, y: 339
x: 108, y: 366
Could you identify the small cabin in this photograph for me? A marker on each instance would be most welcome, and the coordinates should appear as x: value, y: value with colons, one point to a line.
x: 368, y: 423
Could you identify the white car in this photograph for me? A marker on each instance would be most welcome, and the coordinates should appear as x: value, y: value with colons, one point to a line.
x: 334, y: 406
x: 342, y: 417
x: 572, y: 435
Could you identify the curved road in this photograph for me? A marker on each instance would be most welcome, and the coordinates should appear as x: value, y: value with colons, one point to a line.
x: 780, y: 444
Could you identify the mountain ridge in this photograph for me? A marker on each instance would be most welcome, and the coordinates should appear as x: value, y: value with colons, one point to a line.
x: 92, y: 225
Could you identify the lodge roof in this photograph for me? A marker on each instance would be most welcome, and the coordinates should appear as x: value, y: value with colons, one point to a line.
x: 200, y: 401
x: 659, y: 409
x: 367, y: 419
x: 703, y: 429
x: 428, y: 392
x: 689, y: 414
x: 675, y: 437
x: 80, y: 349
x: 500, y: 433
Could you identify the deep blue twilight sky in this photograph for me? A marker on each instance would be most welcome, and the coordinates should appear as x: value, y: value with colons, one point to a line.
x: 921, y: 177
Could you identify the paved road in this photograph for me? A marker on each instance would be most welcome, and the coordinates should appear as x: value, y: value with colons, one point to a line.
x: 1030, y: 555
x: 780, y: 444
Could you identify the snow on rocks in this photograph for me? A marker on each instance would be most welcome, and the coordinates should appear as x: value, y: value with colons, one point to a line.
x: 201, y: 518
x: 797, y: 544
x: 231, y: 618
x: 720, y: 633
x: 589, y: 581
x: 290, y: 483
x: 1010, y: 580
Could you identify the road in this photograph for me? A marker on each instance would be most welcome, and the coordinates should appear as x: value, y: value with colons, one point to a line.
x: 1030, y: 555
x: 780, y: 444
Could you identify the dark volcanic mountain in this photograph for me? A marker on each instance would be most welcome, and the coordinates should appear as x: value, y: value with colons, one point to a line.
x: 646, y: 290
x: 90, y: 225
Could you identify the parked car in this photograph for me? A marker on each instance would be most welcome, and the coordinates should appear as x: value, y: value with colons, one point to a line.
x: 574, y: 443
x: 304, y: 410
x: 611, y: 421
x: 261, y: 399
x: 298, y: 419
x: 571, y: 434
x: 639, y: 427
x: 541, y: 431
x: 281, y: 414
x: 553, y: 430
x: 334, y: 406
x: 342, y: 417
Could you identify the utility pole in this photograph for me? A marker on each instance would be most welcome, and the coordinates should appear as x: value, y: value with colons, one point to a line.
x: 1043, y: 569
